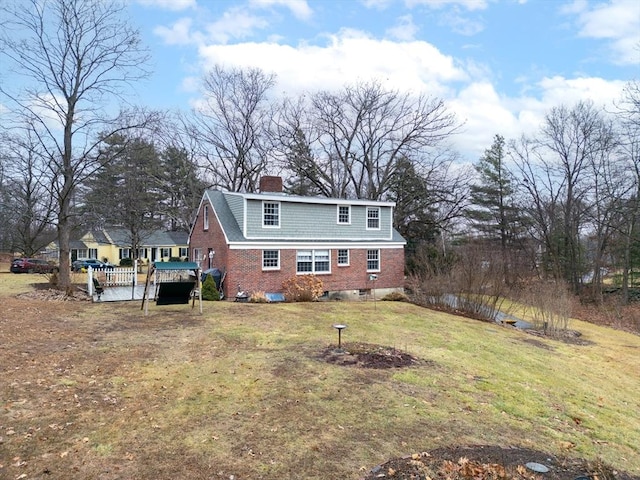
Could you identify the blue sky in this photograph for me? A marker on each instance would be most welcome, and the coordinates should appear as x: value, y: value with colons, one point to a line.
x: 498, y: 64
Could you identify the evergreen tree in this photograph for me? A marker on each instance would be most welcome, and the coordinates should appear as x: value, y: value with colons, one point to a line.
x: 180, y: 186
x: 493, y: 212
x: 414, y: 215
x: 125, y: 192
x: 209, y: 290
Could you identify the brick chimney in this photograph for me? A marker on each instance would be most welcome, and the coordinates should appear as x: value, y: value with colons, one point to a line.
x: 270, y: 184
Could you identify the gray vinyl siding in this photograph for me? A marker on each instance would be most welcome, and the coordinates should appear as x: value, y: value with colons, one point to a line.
x: 306, y: 221
x: 236, y: 205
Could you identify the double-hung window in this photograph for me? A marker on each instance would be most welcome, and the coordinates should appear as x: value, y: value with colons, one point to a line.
x: 271, y: 259
x: 270, y: 214
x: 373, y: 260
x: 313, y: 261
x: 343, y: 257
x: 373, y: 218
x: 344, y: 214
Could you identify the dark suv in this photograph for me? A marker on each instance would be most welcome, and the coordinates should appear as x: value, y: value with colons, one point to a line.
x: 83, y: 265
x: 32, y: 265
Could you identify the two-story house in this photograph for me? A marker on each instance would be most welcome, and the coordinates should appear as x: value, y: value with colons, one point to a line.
x: 262, y: 239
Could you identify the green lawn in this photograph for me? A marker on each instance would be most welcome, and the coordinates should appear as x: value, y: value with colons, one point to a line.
x: 241, y: 391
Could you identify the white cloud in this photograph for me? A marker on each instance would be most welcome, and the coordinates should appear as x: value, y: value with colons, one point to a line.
x: 617, y: 21
x: 461, y: 24
x: 377, y: 4
x: 468, y: 88
x: 568, y: 91
x: 299, y: 8
x: 404, y: 29
x: 467, y: 4
x: 348, y: 56
x: 484, y: 114
x: 179, y: 33
x: 175, y: 5
x: 235, y: 23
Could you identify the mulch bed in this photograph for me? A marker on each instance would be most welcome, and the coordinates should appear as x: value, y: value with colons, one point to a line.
x: 367, y: 355
x: 484, y: 462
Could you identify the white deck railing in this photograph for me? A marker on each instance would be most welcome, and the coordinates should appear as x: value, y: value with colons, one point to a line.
x: 118, y: 277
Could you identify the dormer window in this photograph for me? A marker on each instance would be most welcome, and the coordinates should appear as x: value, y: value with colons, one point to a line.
x: 344, y: 214
x: 373, y: 218
x: 270, y: 214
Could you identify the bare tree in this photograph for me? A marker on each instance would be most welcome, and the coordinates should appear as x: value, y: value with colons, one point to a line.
x: 73, y: 58
x: 628, y: 116
x: 358, y: 136
x: 30, y: 206
x: 558, y: 172
x: 231, y: 127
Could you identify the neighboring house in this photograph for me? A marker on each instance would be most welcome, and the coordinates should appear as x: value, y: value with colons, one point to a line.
x: 114, y: 244
x: 261, y: 239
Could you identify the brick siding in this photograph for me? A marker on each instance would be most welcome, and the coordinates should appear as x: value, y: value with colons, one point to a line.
x: 244, y: 267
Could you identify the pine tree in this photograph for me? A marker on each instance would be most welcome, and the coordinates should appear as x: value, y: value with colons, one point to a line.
x: 493, y: 212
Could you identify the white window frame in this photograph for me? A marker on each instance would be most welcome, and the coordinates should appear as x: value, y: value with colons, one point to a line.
x: 377, y: 217
x: 348, y: 222
x: 264, y: 213
x: 164, y: 250
x: 377, y: 260
x: 314, y: 261
x: 124, y: 253
x: 277, y: 259
x: 339, y: 263
x: 183, y: 252
x: 206, y: 217
x: 197, y: 255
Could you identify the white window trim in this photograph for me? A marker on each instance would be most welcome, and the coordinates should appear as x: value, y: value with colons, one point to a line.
x: 313, y: 262
x: 367, y: 218
x: 206, y: 217
x: 338, y: 257
x: 348, y: 207
x: 270, y: 268
x: 264, y: 202
x: 379, y: 260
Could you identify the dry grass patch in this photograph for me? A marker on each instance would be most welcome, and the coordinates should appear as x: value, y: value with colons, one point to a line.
x: 102, y: 391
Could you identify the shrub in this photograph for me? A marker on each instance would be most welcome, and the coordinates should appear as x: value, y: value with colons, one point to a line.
x: 303, y: 288
x: 209, y: 290
x: 126, y: 262
x: 258, y: 297
x: 395, y: 297
x: 175, y: 259
x: 549, y: 304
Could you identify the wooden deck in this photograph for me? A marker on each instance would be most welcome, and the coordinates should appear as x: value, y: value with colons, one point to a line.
x: 123, y: 294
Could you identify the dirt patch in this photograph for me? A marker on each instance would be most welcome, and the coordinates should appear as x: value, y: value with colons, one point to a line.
x: 572, y: 337
x: 53, y: 295
x: 491, y: 462
x: 368, y: 355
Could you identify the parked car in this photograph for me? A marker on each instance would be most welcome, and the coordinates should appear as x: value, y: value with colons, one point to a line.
x: 84, y: 264
x: 32, y: 265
